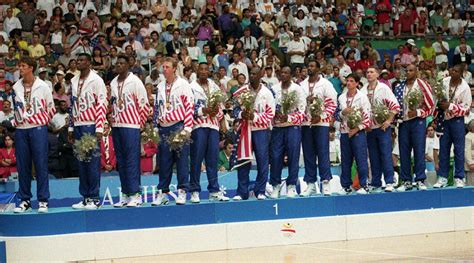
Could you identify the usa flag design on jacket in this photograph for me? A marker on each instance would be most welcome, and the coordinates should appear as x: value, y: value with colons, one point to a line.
x: 88, y: 102
x: 264, y: 111
x: 297, y: 115
x: 129, y: 102
x: 382, y: 94
x: 174, y: 103
x: 201, y: 96
x: 35, y: 108
x: 358, y: 102
x: 459, y: 97
x: 401, y: 91
x: 324, y: 90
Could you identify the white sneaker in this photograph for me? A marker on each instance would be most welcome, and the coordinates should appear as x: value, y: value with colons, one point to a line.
x: 195, y: 198
x: 23, y: 207
x: 161, y: 199
x: 326, y: 188
x: 43, y: 207
x: 291, y: 191
x: 80, y: 205
x: 421, y: 186
x: 276, y: 192
x: 389, y: 188
x: 181, y: 200
x: 363, y: 191
x: 123, y: 201
x: 135, y: 201
x: 346, y: 191
x: 406, y: 186
x: 261, y: 197
x: 459, y: 183
x: 92, y: 204
x: 442, y: 182
x: 218, y: 196
x: 237, y: 198
x: 310, y: 190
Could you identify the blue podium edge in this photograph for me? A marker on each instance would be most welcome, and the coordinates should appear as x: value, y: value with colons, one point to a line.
x: 67, y: 221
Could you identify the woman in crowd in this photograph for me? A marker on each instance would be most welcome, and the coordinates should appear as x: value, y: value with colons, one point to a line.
x: 7, y: 158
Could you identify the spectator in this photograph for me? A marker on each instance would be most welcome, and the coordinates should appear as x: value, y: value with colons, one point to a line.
x: 383, y: 8
x: 330, y: 42
x: 268, y: 27
x: 469, y: 154
x: 428, y: 52
x: 60, y: 119
x: 7, y: 113
x: 441, y: 48
x: 344, y: 69
x: 225, y: 156
x: 436, y: 20
x: 7, y: 158
x: 407, y: 23
x: 108, y: 160
x: 369, y: 18
x: 11, y: 22
x: 148, y: 151
x: 421, y: 24
x: 463, y: 56
x: 432, y: 147
x: 456, y: 25
x: 296, y: 51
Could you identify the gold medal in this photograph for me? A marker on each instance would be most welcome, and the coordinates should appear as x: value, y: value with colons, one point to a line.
x: 28, y: 107
x: 168, y: 106
x: 120, y: 103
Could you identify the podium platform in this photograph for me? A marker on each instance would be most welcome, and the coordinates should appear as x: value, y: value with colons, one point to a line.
x: 65, y: 234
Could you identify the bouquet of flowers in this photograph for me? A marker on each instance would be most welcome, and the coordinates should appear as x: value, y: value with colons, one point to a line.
x: 247, y: 100
x: 216, y: 98
x: 150, y: 134
x: 380, y: 112
x: 354, y: 119
x: 289, y: 102
x: 86, y: 148
x: 438, y: 91
x: 316, y: 107
x: 414, y: 99
x: 178, y: 139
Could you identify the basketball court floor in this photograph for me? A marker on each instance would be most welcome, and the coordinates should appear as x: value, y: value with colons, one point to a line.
x: 439, y: 247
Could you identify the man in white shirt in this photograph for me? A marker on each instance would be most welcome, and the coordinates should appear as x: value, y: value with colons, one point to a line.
x: 314, y: 26
x: 250, y: 42
x: 441, y: 48
x: 457, y: 50
x: 269, y: 78
x: 59, y: 119
x: 131, y: 41
x: 240, y: 66
x: 432, y: 147
x: 344, y: 69
x: 10, y: 22
x: 7, y: 113
x: 130, y: 8
x: 296, y: 51
x: 146, y: 55
x: 124, y: 25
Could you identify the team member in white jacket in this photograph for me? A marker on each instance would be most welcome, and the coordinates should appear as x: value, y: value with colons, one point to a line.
x: 254, y: 135
x: 130, y: 112
x: 174, y: 108
x: 315, y: 130
x: 457, y: 105
x: 379, y: 135
x: 88, y: 114
x: 34, y: 108
x: 353, y: 140
x: 205, y: 136
x: 286, y: 134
